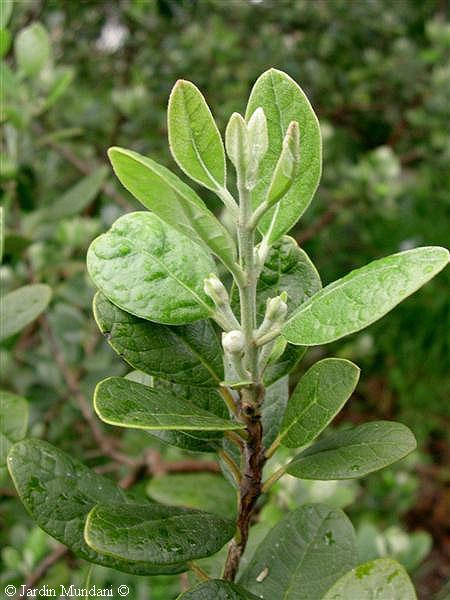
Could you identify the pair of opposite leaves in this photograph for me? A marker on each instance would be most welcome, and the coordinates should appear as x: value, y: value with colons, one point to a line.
x: 145, y: 267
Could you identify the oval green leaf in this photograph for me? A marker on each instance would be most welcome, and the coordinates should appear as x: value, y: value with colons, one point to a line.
x: 173, y: 201
x: 125, y: 403
x: 318, y: 397
x: 187, y: 354
x: 217, y: 589
x: 156, y: 534
x: 303, y: 555
x: 194, y: 139
x: 354, y: 452
x: 381, y: 578
x: 13, y: 421
x: 148, y: 269
x: 58, y: 492
x: 21, y: 307
x: 363, y: 296
x: 283, y: 101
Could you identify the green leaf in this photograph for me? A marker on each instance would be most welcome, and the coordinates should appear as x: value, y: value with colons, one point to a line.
x: 283, y: 102
x: 203, y: 491
x: 187, y: 354
x: 217, y: 589
x: 302, y: 555
x: 287, y: 269
x: 287, y: 166
x: 13, y: 421
x: 273, y: 409
x: 77, y: 197
x: 173, y: 201
x: 194, y: 139
x: 317, y: 399
x: 381, y: 578
x: 354, y: 452
x: 237, y: 142
x: 160, y: 535
x: 122, y: 402
x: 58, y: 492
x: 363, y: 296
x: 205, y: 398
x: 148, y: 269
x: 21, y: 307
x: 258, y: 141
x: 32, y: 49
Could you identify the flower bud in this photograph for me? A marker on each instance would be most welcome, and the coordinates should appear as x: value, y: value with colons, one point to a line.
x: 215, y: 289
x: 276, y: 310
x: 233, y: 342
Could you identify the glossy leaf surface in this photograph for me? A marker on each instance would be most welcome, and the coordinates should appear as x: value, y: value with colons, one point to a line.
x: 148, y: 269
x: 194, y: 139
x: 354, y: 452
x: 58, y: 492
x: 159, y: 535
x: 283, y: 101
x: 317, y: 399
x: 363, y: 296
x: 173, y: 201
x: 188, y: 354
x: 303, y: 555
x: 381, y: 578
x: 21, y: 307
x: 125, y: 403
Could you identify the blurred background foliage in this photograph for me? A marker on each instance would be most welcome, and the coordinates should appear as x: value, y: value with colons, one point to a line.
x: 78, y: 77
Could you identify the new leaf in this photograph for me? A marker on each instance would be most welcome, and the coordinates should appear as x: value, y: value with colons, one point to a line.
x: 283, y: 101
x: 194, y: 139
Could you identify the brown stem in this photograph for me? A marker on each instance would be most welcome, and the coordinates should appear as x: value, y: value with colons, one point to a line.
x: 251, y: 480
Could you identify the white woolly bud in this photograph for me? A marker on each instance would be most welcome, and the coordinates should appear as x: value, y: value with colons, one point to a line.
x: 233, y: 342
x: 215, y: 289
x: 276, y: 310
